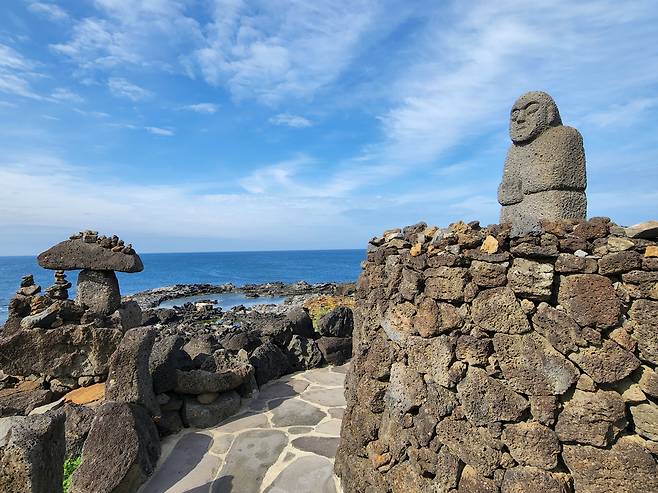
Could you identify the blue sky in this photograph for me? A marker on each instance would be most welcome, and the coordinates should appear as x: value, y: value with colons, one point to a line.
x: 200, y: 125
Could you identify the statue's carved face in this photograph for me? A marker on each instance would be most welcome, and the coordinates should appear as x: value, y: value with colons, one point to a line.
x: 532, y: 114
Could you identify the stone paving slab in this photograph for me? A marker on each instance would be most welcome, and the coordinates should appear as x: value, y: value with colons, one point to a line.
x: 284, y: 440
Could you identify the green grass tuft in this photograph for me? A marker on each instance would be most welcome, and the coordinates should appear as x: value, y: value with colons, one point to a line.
x: 70, y: 466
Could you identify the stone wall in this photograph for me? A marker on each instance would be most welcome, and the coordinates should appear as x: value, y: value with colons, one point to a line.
x: 484, y: 363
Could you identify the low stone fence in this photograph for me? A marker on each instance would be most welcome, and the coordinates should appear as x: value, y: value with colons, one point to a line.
x: 486, y: 363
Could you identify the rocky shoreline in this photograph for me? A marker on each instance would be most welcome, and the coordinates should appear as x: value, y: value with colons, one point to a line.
x: 152, y: 298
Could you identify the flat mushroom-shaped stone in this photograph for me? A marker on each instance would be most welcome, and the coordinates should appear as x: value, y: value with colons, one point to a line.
x: 76, y: 254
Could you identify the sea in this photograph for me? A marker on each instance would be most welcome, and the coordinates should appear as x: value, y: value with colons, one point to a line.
x: 166, y: 269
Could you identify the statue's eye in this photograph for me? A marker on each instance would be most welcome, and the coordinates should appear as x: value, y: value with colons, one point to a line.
x: 515, y: 114
x: 532, y: 107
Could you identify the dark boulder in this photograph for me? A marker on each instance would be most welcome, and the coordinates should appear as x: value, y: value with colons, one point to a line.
x: 236, y: 340
x: 339, y: 322
x: 167, y: 356
x: 32, y: 453
x: 78, y: 254
x: 121, y: 450
x: 303, y: 353
x: 199, y: 415
x: 78, y: 424
x: 269, y: 362
x: 66, y: 351
x: 22, y: 400
x: 129, y: 379
x: 300, y: 322
x: 335, y: 350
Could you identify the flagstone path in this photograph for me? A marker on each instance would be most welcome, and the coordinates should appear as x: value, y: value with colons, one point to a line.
x: 283, y: 440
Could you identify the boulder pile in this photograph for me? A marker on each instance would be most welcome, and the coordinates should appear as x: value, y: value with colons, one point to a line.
x: 486, y: 362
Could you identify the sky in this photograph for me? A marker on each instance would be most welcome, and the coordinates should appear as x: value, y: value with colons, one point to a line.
x: 211, y: 125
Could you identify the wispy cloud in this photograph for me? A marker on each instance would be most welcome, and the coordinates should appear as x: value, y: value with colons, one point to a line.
x: 50, y: 10
x: 16, y: 73
x: 66, y: 96
x: 160, y: 131
x: 122, y: 88
x: 288, y: 120
x: 207, y: 108
x: 622, y: 114
x: 272, y: 50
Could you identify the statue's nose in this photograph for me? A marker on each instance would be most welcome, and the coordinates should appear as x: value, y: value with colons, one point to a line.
x: 521, y: 116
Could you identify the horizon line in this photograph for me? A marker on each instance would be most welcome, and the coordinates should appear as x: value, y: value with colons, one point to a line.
x: 228, y: 251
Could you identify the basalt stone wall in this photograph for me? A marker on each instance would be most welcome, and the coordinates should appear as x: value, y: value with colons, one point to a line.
x: 484, y: 363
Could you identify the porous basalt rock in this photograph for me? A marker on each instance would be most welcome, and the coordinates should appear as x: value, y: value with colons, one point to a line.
x: 77, y: 254
x: 120, y: 452
x: 464, y: 379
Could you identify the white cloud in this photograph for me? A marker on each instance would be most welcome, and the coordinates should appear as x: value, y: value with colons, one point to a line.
x: 122, y: 88
x: 622, y: 114
x: 289, y: 120
x: 50, y: 10
x: 207, y: 108
x: 160, y: 131
x: 11, y: 59
x: 63, y: 95
x: 270, y: 50
x: 16, y: 73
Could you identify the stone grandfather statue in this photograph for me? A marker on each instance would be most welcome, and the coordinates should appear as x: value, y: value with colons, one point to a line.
x: 544, y: 174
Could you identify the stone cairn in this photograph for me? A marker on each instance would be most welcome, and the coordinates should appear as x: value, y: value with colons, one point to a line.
x: 512, y: 358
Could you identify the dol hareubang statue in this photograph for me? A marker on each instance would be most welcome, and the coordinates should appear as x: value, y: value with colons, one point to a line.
x: 544, y: 174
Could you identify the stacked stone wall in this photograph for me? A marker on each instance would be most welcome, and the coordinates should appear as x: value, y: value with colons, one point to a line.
x: 486, y: 363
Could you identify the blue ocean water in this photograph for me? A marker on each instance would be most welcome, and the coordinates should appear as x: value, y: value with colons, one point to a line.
x: 239, y: 268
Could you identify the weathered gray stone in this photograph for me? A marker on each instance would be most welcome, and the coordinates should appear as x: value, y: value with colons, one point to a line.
x: 406, y: 390
x: 339, y: 322
x: 498, y: 310
x: 44, y: 319
x: 77, y: 254
x: 544, y: 174
x: 645, y: 418
x: 432, y: 357
x: 526, y: 479
x: 199, y: 415
x: 67, y: 351
x: 200, y: 381
x: 486, y: 400
x: 558, y: 328
x: 32, y: 453
x: 300, y: 322
x: 121, y: 450
x: 530, y: 279
x: 543, y: 408
x: 21, y: 400
x: 592, y: 418
x: 471, y: 481
x: 532, y: 444
x: 590, y: 299
x: 620, y: 262
x: 644, y: 316
x: 625, y: 467
x: 166, y: 357
x: 446, y: 283
x: 647, y: 229
x: 129, y: 379
x: 487, y: 274
x: 78, y: 424
x: 335, y: 350
x: 472, y: 445
x: 434, y: 318
x: 303, y: 353
x: 606, y: 364
x: 649, y: 381
x: 128, y: 315
x: 98, y: 290
x: 325, y: 446
x: 473, y: 350
x: 532, y: 366
x: 269, y: 362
